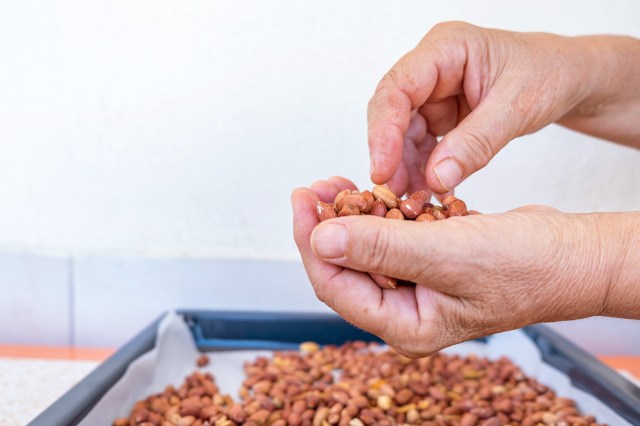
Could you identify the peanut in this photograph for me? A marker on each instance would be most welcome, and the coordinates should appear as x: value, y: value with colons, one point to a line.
x: 421, y: 197
x: 457, y: 208
x: 338, y: 202
x: 394, y: 214
x: 410, y: 208
x: 357, y: 200
x: 384, y: 194
x: 325, y: 211
x: 358, y: 384
x: 370, y: 199
x: 425, y: 217
x: 349, y: 210
x: 202, y: 360
x: 378, y: 208
x: 439, y: 214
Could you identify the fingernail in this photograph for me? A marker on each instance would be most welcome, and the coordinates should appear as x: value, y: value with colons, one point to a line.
x: 329, y: 240
x: 449, y: 173
x: 372, y: 167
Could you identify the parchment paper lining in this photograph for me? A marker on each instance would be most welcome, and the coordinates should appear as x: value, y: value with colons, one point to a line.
x: 174, y: 355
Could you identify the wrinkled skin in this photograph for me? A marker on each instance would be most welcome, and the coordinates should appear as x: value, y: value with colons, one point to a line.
x: 476, y: 275
x: 480, y: 88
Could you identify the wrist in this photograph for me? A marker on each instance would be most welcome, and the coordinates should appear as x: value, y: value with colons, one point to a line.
x: 606, y: 86
x: 596, y: 266
x: 620, y: 242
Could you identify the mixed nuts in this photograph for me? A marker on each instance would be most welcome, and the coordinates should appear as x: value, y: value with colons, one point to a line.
x: 359, y: 384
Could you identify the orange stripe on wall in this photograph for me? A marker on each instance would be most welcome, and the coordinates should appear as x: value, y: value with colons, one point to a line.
x: 621, y: 362
x: 53, y: 352
x: 628, y: 363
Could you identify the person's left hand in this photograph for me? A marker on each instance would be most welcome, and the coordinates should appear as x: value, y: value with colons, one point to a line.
x: 474, y: 275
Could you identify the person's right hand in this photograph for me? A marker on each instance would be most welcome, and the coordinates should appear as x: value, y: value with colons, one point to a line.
x: 481, y: 88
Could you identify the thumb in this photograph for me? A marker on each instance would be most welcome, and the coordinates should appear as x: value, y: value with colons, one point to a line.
x: 474, y: 142
x: 393, y: 248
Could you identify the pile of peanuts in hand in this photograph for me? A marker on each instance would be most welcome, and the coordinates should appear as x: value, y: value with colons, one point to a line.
x: 359, y: 384
x: 383, y: 202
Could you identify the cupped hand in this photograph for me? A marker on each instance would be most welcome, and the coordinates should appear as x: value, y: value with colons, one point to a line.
x: 474, y: 275
x: 477, y: 87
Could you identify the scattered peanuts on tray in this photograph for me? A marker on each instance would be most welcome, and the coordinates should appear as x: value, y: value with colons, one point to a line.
x: 359, y: 384
x: 382, y: 202
x: 203, y: 360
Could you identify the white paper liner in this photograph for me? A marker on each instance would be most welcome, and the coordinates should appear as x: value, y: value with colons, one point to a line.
x: 175, y: 353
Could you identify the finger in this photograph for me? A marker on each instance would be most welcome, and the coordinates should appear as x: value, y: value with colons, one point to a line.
x: 326, y: 191
x: 439, y: 317
x: 342, y: 183
x: 416, y: 320
x: 351, y: 294
x: 433, y: 71
x: 474, y: 142
x: 400, y: 180
x: 417, y: 129
x: 539, y: 208
x: 415, y: 157
x: 417, y: 252
x: 443, y: 116
x: 411, y: 159
x: 404, y: 88
x: 421, y: 320
x: 441, y: 197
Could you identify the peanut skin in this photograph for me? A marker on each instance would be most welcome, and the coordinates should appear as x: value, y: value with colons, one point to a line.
x: 349, y: 209
x: 378, y: 208
x: 421, y: 197
x: 384, y: 194
x: 325, y: 211
x: 394, y: 214
x: 410, y: 208
x: 425, y: 217
x: 338, y: 202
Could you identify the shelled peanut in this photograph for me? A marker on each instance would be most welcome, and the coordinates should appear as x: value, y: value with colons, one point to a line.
x: 384, y: 203
x: 359, y: 384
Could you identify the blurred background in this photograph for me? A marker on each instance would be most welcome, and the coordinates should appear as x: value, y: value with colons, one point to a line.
x: 148, y: 150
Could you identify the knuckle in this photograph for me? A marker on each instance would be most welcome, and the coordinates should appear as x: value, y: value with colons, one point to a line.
x: 376, y: 253
x: 387, y: 82
x: 480, y: 147
x: 451, y: 27
x: 445, y: 27
x: 420, y: 343
x: 387, y: 97
x: 393, y: 77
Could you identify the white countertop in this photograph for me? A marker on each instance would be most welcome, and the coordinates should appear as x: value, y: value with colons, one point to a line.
x: 28, y: 386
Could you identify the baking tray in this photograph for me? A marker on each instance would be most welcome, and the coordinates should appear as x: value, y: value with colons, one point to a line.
x: 217, y: 331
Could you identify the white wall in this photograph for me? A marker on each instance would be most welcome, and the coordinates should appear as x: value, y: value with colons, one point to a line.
x: 179, y: 128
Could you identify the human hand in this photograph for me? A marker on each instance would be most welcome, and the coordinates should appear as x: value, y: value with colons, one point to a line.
x: 480, y: 88
x: 474, y: 275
